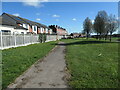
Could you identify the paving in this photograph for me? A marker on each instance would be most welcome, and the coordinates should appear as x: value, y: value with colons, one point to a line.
x: 48, y: 73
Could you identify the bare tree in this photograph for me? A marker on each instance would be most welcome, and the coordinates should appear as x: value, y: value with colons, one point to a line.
x: 100, y: 24
x: 87, y: 25
x: 113, y: 24
x: 107, y: 30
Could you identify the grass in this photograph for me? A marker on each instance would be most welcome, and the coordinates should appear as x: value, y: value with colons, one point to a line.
x: 115, y: 38
x: 92, y: 63
x: 17, y: 60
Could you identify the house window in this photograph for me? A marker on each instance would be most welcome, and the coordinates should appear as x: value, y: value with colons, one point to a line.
x: 6, y: 32
x: 34, y: 28
x: 41, y: 30
x: 22, y: 32
x: 26, y: 26
x: 20, y: 24
x: 46, y: 30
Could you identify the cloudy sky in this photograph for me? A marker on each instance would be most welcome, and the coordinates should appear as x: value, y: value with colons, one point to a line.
x: 69, y: 15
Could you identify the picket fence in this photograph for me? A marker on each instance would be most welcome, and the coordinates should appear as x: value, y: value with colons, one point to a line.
x: 11, y: 41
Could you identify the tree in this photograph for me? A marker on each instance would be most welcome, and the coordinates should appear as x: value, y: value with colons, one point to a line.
x: 119, y: 17
x: 107, y: 30
x: 87, y: 25
x: 71, y: 34
x: 100, y: 24
x: 113, y: 24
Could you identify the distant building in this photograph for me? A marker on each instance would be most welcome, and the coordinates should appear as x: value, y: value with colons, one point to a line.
x: 76, y: 35
x: 58, y: 30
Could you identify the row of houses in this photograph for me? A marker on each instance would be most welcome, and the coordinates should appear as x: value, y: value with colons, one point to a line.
x: 18, y: 25
x: 58, y: 30
x: 77, y: 35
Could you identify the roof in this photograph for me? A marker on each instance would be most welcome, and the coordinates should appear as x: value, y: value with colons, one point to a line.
x: 76, y: 33
x: 26, y: 21
x: 57, y: 27
x: 20, y: 27
x: 35, y: 23
x: 4, y: 21
x: 16, y: 18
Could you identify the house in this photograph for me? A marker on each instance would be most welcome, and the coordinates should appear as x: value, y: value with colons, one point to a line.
x: 9, y: 27
x: 77, y: 35
x: 30, y: 26
x: 45, y: 29
x: 58, y: 30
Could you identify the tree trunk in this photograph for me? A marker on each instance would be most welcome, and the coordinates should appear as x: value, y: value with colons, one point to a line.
x: 100, y: 37
x: 105, y: 37
x: 87, y: 36
x: 110, y: 37
x: 97, y: 36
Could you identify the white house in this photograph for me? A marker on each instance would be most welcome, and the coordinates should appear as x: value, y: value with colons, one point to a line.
x: 12, y: 30
x: 22, y: 25
x: 50, y: 31
x: 34, y: 28
x: 9, y: 27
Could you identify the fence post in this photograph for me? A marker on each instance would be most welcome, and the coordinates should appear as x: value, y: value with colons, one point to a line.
x: 31, y: 38
x: 56, y: 37
x: 15, y: 39
x: 1, y: 40
x: 23, y: 39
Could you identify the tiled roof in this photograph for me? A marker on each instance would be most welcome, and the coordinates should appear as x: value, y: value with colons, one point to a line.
x: 26, y: 21
x: 16, y: 18
x: 3, y: 21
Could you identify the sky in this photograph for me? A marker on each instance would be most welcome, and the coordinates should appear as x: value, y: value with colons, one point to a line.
x: 69, y: 15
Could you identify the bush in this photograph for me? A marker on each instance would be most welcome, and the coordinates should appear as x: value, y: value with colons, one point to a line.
x: 42, y: 38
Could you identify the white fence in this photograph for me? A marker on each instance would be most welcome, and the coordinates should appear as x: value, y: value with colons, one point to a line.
x: 9, y: 41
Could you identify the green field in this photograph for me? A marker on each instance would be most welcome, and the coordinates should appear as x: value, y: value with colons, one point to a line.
x: 92, y: 63
x: 17, y: 60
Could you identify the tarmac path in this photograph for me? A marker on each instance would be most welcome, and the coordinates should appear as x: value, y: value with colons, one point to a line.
x: 48, y: 73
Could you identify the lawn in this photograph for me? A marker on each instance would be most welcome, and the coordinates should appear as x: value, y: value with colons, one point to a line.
x: 92, y: 63
x: 17, y: 60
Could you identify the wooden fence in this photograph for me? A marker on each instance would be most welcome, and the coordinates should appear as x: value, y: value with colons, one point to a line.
x: 10, y: 41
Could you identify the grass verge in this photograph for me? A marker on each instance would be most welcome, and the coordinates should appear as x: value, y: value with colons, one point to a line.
x: 17, y: 60
x: 92, y: 63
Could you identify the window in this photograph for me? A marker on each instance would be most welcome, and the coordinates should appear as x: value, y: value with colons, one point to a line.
x: 22, y: 32
x: 5, y: 32
x: 46, y: 30
x: 34, y: 28
x: 20, y: 24
x: 26, y: 25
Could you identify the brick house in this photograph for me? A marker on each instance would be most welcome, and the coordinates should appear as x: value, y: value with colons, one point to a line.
x: 58, y: 30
